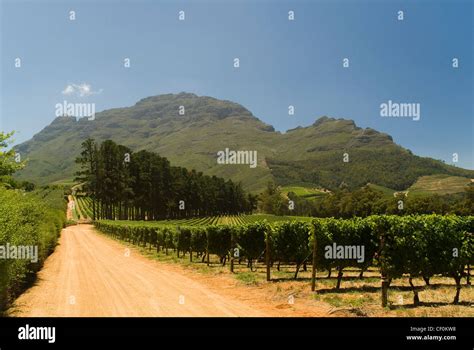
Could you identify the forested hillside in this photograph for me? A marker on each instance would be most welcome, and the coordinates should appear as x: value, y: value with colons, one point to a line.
x: 306, y: 156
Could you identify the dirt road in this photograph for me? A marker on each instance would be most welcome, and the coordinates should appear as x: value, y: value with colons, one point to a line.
x: 90, y: 274
x: 70, y: 205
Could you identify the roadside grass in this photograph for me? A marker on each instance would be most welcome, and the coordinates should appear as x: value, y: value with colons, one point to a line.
x: 248, y: 278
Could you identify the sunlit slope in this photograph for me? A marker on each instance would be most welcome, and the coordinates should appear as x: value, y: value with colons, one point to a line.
x: 306, y: 156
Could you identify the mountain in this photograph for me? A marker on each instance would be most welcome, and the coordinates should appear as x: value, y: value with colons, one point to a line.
x: 305, y: 156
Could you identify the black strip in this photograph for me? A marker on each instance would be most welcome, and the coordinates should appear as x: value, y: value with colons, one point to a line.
x: 367, y: 332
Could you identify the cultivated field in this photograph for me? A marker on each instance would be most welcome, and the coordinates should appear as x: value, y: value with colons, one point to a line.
x: 206, y: 245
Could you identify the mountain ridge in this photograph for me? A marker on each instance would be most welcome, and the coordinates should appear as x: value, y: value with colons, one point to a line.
x: 311, y: 155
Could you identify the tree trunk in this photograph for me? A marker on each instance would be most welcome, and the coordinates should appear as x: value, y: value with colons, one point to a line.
x: 416, y: 299
x: 468, y: 277
x: 313, y: 263
x: 385, y: 285
x: 297, y: 270
x: 267, y: 255
x: 458, y: 289
x: 93, y: 210
x: 339, y: 277
x: 232, y: 252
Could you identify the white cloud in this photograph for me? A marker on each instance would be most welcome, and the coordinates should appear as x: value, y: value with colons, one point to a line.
x: 81, y: 90
x: 69, y: 90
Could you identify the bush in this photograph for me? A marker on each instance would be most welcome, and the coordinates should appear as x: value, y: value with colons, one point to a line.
x: 291, y: 243
x: 219, y: 240
x: 251, y: 240
x: 198, y: 240
x: 33, y: 219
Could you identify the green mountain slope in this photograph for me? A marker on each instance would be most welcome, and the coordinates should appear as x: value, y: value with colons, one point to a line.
x: 305, y: 156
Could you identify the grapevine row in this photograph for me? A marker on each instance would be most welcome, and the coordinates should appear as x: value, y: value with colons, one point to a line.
x: 415, y: 246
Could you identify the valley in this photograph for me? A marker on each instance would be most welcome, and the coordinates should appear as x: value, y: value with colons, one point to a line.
x: 183, y: 200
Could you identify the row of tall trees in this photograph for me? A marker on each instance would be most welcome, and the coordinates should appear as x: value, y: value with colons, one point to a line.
x: 144, y: 186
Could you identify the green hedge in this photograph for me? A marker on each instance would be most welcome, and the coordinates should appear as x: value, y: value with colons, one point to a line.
x: 421, y: 245
x: 27, y: 219
x: 290, y: 243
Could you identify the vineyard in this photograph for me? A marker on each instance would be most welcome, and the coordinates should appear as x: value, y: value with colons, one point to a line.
x: 397, y: 247
x: 83, y: 210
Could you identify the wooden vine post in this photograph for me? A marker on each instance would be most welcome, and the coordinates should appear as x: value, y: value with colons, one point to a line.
x: 207, y: 248
x: 313, y: 272
x: 232, y: 251
x: 385, y: 282
x: 267, y: 253
x: 190, y: 247
x: 384, y: 291
x: 468, y: 278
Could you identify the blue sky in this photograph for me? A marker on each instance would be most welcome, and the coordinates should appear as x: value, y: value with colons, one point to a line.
x: 282, y: 62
